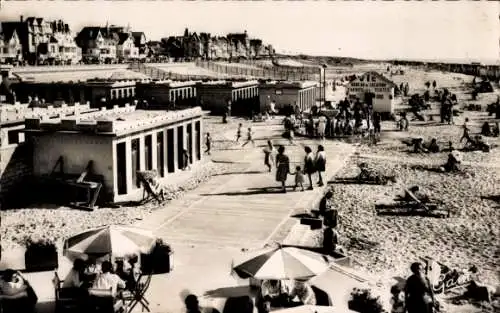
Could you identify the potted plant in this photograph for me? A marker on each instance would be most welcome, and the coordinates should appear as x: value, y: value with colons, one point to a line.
x: 40, y: 255
x: 364, y: 302
x: 159, y: 260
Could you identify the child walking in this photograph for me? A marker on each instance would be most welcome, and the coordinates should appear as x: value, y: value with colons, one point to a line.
x: 249, y: 137
x: 299, y: 179
x: 208, y: 143
x: 238, y: 132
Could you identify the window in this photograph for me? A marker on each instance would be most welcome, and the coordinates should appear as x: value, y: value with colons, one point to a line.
x: 378, y: 96
x: 13, y: 137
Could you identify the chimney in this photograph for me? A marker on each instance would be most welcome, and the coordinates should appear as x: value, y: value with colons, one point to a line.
x: 22, y: 18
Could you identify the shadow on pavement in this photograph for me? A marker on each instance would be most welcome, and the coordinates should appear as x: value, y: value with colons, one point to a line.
x: 241, y: 173
x: 227, y: 292
x: 250, y: 191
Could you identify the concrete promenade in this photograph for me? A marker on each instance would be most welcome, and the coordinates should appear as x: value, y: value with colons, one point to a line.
x: 233, y: 212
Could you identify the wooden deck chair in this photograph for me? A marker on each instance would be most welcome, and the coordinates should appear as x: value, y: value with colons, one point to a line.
x: 419, y: 203
x: 153, y: 190
x: 92, y: 189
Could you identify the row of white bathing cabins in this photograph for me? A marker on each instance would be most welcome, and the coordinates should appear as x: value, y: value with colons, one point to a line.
x: 99, y: 121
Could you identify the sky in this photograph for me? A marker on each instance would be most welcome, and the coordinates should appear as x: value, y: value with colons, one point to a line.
x: 442, y: 31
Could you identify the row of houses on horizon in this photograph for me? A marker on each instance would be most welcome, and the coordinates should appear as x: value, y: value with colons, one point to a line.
x: 36, y: 40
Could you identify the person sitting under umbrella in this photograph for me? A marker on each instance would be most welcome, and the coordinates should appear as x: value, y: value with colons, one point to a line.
x: 274, y: 292
x: 128, y: 271
x: 75, y: 277
x: 304, y: 293
x: 108, y: 280
x: 125, y: 274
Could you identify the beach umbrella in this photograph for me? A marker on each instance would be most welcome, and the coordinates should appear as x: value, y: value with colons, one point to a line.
x: 308, y: 309
x: 281, y: 263
x: 113, y: 240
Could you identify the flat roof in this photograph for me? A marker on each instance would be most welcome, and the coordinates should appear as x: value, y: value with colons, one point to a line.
x: 289, y: 84
x: 171, y: 83
x: 116, y: 83
x: 115, y: 122
x: 16, y: 114
x: 228, y: 83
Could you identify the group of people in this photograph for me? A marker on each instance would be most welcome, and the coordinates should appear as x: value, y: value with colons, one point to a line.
x: 352, y: 119
x: 285, y: 293
x: 84, y: 275
x: 312, y: 164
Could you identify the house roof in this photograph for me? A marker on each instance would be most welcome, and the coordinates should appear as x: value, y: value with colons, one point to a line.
x: 122, y: 37
x: 8, y: 30
x: 89, y: 33
x: 53, y: 39
x: 137, y: 37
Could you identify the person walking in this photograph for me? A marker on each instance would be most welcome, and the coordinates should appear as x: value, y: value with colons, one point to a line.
x: 282, y: 167
x: 268, y: 151
x: 249, y: 137
x: 419, y: 296
x: 320, y: 163
x: 309, y: 165
x: 465, y: 134
x: 322, y: 126
x: 208, y: 143
x: 238, y: 132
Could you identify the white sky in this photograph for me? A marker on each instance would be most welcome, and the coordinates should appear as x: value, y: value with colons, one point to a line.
x: 462, y: 30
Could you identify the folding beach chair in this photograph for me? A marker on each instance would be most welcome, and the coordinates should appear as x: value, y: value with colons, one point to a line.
x: 137, y: 295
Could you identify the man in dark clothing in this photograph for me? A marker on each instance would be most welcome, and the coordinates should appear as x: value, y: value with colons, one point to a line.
x: 419, y: 296
x: 377, y: 121
x: 330, y: 240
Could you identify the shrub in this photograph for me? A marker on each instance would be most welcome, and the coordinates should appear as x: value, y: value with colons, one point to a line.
x: 363, y: 301
x: 40, y: 245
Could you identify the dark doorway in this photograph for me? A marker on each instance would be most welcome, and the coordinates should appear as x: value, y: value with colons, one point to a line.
x: 180, y: 147
x: 121, y: 168
x: 170, y: 151
x: 160, y: 154
x: 148, y: 145
x: 136, y: 162
x: 190, y: 141
x: 197, y: 134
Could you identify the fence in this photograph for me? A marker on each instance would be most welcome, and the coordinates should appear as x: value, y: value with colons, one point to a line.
x: 275, y: 73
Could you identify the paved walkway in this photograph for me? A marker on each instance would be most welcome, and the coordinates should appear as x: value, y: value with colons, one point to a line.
x: 230, y: 213
x: 242, y: 208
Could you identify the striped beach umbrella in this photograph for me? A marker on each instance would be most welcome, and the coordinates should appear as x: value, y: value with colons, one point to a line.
x: 281, y: 263
x: 113, y: 240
